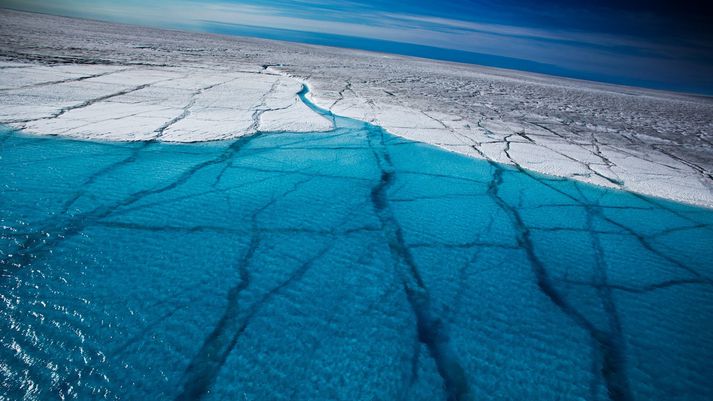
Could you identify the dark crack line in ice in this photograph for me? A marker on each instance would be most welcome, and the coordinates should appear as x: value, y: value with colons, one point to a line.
x: 90, y: 102
x: 615, y: 362
x: 63, y: 81
x: 643, y: 289
x: 187, y: 108
x: 613, y: 371
x: 431, y: 329
x: 639, y: 237
x: 203, y: 369
x: 84, y: 187
x: 206, y: 364
x: 63, y: 227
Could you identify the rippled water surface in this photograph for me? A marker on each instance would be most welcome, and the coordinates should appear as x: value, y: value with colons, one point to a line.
x: 346, y: 265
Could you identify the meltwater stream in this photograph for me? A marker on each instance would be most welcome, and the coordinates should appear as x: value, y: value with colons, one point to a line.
x: 341, y: 265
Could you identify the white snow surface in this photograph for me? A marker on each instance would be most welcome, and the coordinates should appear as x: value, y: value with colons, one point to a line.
x: 95, y: 80
x: 175, y: 104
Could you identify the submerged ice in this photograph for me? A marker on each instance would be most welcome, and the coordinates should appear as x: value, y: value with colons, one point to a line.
x: 344, y: 265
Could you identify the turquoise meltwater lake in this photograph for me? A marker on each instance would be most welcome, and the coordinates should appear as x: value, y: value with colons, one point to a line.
x: 342, y: 265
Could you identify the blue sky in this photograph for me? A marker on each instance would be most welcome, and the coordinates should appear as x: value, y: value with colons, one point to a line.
x: 666, y: 45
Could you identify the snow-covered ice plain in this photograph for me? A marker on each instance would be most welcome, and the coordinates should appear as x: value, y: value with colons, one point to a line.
x: 297, y: 251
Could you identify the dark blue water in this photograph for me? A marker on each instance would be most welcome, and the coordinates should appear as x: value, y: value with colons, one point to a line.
x: 344, y: 265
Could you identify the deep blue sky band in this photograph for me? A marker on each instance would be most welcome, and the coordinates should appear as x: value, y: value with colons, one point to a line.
x: 657, y: 44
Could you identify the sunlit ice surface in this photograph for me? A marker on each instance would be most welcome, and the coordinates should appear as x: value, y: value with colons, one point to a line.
x: 341, y: 265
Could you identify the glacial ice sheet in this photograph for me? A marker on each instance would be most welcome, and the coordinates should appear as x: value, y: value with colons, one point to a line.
x: 340, y: 265
x: 98, y: 80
